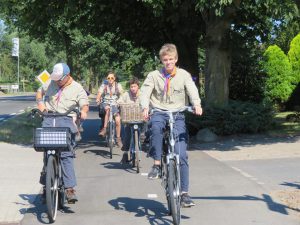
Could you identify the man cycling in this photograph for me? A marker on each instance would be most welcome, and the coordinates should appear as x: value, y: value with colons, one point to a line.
x: 169, y: 89
x: 60, y: 95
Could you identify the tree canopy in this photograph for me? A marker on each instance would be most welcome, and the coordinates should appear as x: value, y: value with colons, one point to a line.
x: 148, y: 24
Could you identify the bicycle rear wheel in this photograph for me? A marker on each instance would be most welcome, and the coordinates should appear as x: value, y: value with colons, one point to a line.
x: 174, y: 191
x: 137, y: 150
x: 52, y: 188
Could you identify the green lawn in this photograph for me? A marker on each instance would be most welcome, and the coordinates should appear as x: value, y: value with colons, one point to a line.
x: 19, y: 129
x: 283, y: 127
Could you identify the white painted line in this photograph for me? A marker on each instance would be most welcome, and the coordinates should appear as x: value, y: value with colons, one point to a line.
x: 246, y: 174
x: 152, y: 196
x: 21, y: 111
x: 12, y: 114
x: 253, y: 178
x: 144, y: 174
x: 261, y: 183
x: 237, y: 169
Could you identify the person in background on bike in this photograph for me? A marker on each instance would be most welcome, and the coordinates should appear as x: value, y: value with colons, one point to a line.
x: 110, y: 91
x: 129, y: 97
x: 61, y: 95
x: 170, y: 89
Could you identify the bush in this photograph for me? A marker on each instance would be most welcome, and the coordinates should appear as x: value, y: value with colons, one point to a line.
x: 235, y: 118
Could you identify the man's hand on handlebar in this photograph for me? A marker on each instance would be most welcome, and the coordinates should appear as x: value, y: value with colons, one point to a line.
x: 198, y: 110
x: 146, y: 113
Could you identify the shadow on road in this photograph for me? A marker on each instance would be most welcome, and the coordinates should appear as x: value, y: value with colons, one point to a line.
x: 294, y: 185
x: 155, y: 211
x: 272, y: 206
x: 38, y: 208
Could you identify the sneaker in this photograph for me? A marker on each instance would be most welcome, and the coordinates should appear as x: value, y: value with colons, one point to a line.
x: 154, y: 173
x: 186, y: 201
x: 119, y: 142
x: 102, y: 132
x: 80, y: 129
x: 125, y: 158
x: 70, y: 195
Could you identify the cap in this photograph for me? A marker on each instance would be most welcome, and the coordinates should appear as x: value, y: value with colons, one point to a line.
x: 60, y: 70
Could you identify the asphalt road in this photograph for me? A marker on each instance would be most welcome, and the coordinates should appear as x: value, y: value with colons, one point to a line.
x: 13, y: 105
x: 110, y: 193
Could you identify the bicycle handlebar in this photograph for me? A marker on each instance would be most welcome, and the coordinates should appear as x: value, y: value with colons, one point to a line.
x: 185, y: 108
x: 110, y: 102
x: 54, y: 114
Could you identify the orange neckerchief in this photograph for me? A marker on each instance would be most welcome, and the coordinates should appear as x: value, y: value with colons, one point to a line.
x: 168, y: 77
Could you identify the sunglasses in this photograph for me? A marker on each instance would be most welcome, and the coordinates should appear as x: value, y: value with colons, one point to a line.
x: 110, y: 78
x: 61, y: 79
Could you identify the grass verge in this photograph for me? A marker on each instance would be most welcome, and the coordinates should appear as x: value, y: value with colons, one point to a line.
x: 283, y: 127
x: 19, y: 129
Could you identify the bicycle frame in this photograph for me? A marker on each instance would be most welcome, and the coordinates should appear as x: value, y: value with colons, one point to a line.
x: 110, y: 137
x: 54, y: 186
x: 135, y: 146
x: 170, y: 172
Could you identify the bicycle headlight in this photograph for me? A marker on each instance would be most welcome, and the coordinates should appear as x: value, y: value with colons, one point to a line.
x: 135, y: 126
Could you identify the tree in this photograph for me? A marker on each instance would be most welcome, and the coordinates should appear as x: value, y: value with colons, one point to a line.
x: 294, y: 57
x: 280, y: 81
x: 154, y: 22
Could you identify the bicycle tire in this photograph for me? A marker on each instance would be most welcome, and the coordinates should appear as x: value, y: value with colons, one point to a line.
x: 137, y: 150
x: 52, y: 188
x: 111, y: 139
x: 174, y: 191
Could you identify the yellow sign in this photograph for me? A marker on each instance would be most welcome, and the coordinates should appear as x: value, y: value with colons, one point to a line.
x: 43, y: 77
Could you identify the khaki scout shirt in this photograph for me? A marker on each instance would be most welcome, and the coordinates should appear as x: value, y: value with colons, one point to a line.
x: 70, y: 97
x: 182, y: 91
x: 110, y: 92
x: 127, y: 98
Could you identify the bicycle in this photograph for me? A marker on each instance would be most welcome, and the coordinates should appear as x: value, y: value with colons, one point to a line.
x: 170, y: 171
x: 132, y: 116
x: 111, y: 127
x: 52, y: 141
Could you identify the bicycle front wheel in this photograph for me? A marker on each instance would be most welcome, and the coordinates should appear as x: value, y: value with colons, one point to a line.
x: 52, y: 188
x: 173, y: 192
x: 137, y: 150
x: 111, y: 137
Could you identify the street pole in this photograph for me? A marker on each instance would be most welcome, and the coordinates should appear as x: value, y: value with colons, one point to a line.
x: 18, y: 73
x: 15, y: 52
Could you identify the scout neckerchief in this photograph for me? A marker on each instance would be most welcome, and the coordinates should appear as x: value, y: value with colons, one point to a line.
x: 134, y: 97
x: 168, y: 77
x: 59, y: 95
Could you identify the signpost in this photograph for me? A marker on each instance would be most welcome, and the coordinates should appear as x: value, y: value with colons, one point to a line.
x: 43, y: 77
x: 15, y: 52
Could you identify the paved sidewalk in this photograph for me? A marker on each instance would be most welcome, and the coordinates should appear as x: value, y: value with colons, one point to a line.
x: 19, y: 174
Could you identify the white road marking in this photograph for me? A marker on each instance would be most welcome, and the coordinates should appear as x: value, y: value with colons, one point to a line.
x: 12, y: 114
x: 144, y: 174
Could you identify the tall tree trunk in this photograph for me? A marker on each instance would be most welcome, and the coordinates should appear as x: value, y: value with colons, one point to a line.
x: 218, y: 61
x: 188, y: 55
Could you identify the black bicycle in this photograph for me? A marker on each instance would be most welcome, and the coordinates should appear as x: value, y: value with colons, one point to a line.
x: 131, y: 115
x: 170, y: 171
x: 52, y: 141
x: 135, y: 144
